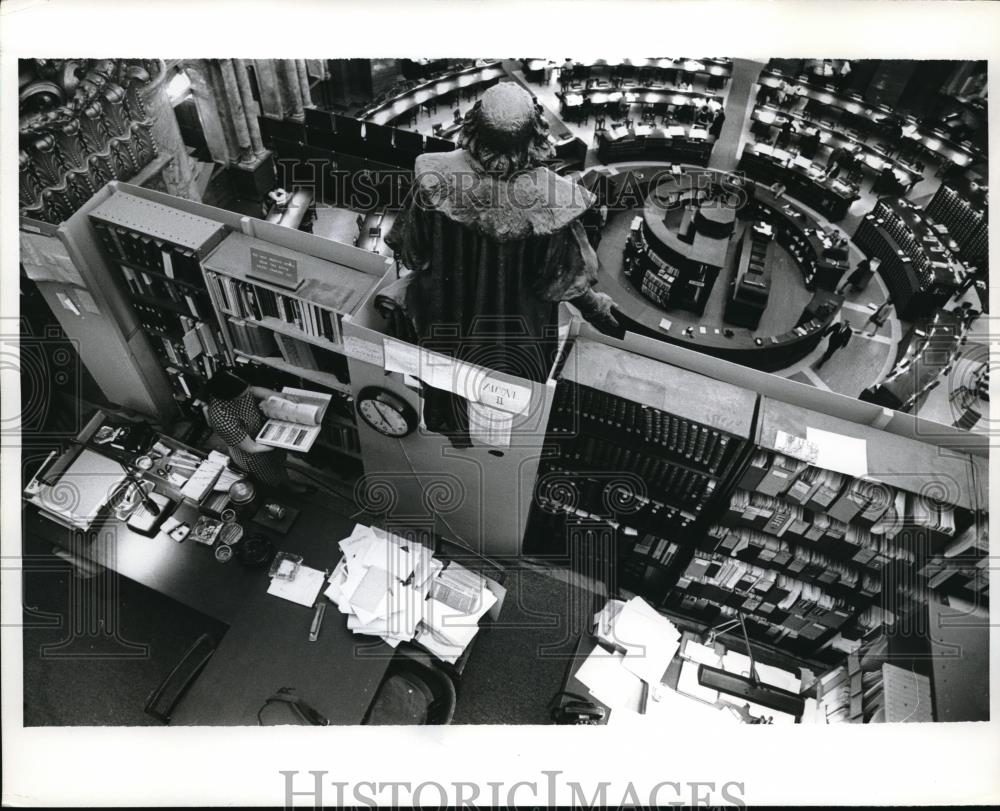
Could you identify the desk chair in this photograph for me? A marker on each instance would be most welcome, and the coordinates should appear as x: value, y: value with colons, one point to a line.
x: 946, y: 166
x: 415, y: 690
x: 437, y: 128
x: 171, y: 690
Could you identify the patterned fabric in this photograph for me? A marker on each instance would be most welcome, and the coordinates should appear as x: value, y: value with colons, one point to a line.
x: 238, y: 419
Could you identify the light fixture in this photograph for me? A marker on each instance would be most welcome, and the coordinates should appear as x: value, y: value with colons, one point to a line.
x: 178, y: 87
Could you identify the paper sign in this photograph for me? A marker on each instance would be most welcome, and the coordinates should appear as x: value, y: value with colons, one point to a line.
x: 272, y: 268
x: 45, y: 260
x: 67, y: 303
x: 489, y: 425
x: 401, y: 357
x: 504, y: 395
x: 843, y: 454
x: 796, y: 447
x: 87, y: 302
x: 360, y: 349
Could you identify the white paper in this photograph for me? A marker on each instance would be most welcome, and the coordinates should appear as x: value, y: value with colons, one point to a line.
x: 490, y: 426
x: 843, y: 454
x: 702, y: 654
x: 650, y: 640
x: 368, y: 599
x: 689, y: 685
x: 609, y: 682
x: 401, y: 357
x: 796, y: 447
x: 361, y: 349
x: 303, y: 589
x: 504, y: 395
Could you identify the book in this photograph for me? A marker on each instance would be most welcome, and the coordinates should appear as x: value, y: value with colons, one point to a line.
x: 294, y: 419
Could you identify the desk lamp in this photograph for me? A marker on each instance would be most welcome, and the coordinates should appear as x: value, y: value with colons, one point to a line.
x: 748, y: 688
x: 132, y: 477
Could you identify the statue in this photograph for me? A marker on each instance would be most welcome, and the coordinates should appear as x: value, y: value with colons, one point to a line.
x: 494, y: 241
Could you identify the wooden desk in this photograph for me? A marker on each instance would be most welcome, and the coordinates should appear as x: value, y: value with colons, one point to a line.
x: 405, y: 103
x: 266, y: 646
x: 932, y: 140
x: 875, y: 159
x: 830, y: 197
x: 671, y: 145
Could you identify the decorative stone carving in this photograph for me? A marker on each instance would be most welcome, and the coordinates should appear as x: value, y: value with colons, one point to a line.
x: 82, y: 123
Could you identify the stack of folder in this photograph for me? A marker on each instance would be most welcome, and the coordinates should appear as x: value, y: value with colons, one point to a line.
x: 396, y: 589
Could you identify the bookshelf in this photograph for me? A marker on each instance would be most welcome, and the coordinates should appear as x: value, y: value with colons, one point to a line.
x: 295, y: 330
x: 964, y: 213
x: 814, y: 555
x: 814, y: 558
x: 158, y: 251
x: 919, y: 267
x: 636, y: 464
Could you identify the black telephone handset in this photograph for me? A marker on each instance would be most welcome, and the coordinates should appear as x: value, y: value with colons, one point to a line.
x: 570, y: 708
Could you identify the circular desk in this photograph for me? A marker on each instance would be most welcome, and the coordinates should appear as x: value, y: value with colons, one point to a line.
x: 652, y: 245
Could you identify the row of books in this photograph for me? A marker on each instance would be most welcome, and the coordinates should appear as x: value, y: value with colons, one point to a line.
x: 150, y: 253
x: 656, y: 548
x: 254, y: 302
x: 799, y: 606
x: 561, y: 491
x: 666, y: 481
x: 690, y: 604
x: 795, y: 559
x: 778, y: 519
x: 181, y: 353
x: 253, y: 339
x: 340, y: 436
x: 695, y: 443
x: 188, y: 299
x: 965, y: 221
x: 867, y: 689
x: 881, y: 508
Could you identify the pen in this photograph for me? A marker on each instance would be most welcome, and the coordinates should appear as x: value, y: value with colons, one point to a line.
x: 317, y: 622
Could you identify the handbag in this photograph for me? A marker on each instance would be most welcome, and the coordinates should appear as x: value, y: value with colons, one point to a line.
x: 286, y: 708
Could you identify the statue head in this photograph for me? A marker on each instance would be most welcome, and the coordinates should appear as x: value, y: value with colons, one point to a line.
x: 505, y: 132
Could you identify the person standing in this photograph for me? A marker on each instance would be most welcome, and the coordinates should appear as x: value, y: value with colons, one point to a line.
x: 860, y: 276
x: 716, y: 129
x: 840, y: 336
x: 879, y: 317
x: 235, y: 416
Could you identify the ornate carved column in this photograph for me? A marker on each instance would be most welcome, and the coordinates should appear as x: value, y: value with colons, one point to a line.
x: 236, y: 112
x: 249, y: 108
x: 211, y: 111
x: 84, y: 122
x: 271, y: 103
x: 292, y: 89
x: 178, y: 174
x: 303, y: 73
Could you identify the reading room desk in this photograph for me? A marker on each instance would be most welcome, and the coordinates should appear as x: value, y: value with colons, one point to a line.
x: 266, y: 646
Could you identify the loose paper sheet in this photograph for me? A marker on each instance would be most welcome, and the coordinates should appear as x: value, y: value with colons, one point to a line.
x: 844, y: 454
x: 303, y: 589
x: 490, y: 426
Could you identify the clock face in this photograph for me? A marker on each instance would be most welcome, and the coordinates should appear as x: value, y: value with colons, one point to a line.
x: 385, y: 412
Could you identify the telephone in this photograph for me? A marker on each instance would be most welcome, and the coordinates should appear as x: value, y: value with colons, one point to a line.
x: 571, y: 708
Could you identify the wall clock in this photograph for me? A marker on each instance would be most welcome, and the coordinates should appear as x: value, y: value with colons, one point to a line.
x: 386, y: 412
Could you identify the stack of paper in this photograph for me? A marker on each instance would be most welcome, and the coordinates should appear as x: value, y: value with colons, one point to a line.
x: 647, y: 639
x: 396, y: 589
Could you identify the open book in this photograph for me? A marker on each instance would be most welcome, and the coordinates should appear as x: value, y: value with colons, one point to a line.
x: 294, y: 419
